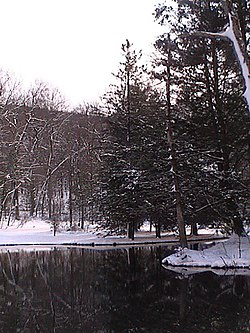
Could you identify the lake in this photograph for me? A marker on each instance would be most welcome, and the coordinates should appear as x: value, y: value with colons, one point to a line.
x: 116, y: 291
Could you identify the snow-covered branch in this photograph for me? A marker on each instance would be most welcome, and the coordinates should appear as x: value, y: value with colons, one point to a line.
x: 233, y: 33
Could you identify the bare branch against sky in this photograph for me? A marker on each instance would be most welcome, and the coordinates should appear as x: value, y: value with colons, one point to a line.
x: 73, y: 45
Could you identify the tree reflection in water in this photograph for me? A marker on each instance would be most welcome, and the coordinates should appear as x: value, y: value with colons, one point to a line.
x: 116, y: 291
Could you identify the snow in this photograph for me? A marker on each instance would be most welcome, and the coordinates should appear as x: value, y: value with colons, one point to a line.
x: 233, y: 253
x: 186, y: 271
x: 230, y: 34
x: 40, y: 232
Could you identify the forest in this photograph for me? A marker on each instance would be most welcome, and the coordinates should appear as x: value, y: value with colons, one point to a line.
x: 167, y: 144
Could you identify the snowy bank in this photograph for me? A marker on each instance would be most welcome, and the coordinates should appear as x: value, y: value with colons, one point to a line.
x: 37, y: 233
x: 187, y: 271
x: 233, y: 253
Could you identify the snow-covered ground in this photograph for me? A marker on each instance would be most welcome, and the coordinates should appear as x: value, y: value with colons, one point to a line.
x: 232, y: 253
x: 40, y: 232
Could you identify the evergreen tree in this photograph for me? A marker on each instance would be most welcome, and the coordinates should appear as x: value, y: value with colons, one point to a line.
x: 135, y: 180
x: 211, y: 134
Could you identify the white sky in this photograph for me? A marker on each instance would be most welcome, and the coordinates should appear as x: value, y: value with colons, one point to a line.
x: 74, y: 45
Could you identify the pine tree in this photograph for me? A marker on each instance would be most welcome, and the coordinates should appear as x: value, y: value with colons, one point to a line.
x: 136, y: 156
x: 211, y: 134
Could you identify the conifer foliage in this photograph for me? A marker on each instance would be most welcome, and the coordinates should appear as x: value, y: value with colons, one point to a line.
x: 136, y: 155
x: 211, y: 109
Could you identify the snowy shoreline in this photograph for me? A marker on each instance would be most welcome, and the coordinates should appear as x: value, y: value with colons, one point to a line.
x: 39, y: 233
x: 225, y: 255
x: 232, y: 253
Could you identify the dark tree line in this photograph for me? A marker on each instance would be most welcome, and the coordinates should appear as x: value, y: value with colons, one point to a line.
x: 180, y: 153
x: 169, y: 145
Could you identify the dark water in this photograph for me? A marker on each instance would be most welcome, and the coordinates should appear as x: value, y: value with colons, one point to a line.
x: 116, y: 291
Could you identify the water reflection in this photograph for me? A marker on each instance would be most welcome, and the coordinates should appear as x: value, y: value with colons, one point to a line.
x: 118, y: 291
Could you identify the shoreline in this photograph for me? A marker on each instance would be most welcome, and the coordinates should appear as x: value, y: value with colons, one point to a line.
x: 116, y: 242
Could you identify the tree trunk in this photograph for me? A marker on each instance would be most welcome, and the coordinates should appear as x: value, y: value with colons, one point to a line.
x: 82, y: 215
x: 131, y: 230
x: 158, y: 229
x: 49, y: 175
x: 179, y: 212
x: 32, y: 198
x: 16, y: 204
x: 194, y: 229
x: 2, y: 211
x: 61, y: 203
x: 49, y: 195
x: 70, y: 208
x: 235, y: 34
x: 70, y: 198
x: 131, y: 225
x: 42, y: 206
x: 235, y: 217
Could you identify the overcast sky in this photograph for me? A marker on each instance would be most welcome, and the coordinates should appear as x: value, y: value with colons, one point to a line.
x: 74, y: 45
